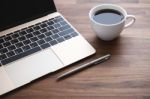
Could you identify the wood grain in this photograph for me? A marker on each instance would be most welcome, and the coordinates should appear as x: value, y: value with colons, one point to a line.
x: 125, y: 76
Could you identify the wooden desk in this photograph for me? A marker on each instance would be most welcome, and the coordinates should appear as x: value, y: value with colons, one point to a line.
x: 125, y: 76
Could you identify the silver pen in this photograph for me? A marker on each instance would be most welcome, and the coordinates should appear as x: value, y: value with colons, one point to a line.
x: 82, y: 67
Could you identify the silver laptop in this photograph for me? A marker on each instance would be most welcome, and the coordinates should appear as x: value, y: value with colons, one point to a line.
x: 35, y: 40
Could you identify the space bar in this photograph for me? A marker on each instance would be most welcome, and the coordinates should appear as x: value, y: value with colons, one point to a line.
x: 21, y: 55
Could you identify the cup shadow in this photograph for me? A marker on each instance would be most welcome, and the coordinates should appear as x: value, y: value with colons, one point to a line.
x: 113, y: 47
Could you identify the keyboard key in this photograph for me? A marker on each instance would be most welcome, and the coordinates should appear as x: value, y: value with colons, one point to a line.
x: 20, y: 44
x: 56, y: 20
x: 43, y: 30
x: 17, y: 31
x: 14, y: 41
x: 63, y: 22
x: 51, y: 19
x: 37, y: 28
x: 64, y: 28
x: 57, y: 25
x: 2, y: 57
x: 26, y: 42
x: 53, y: 42
x: 48, y: 39
x: 66, y: 32
x: 55, y: 30
x: 22, y: 38
x: 29, y: 35
x: 9, y: 34
x: 33, y: 39
x: 30, y: 27
x: 1, y: 40
x: 36, y: 33
x: 44, y: 22
x: 30, y: 30
x: 73, y: 34
x: 60, y: 39
x: 33, y: 44
x: 50, y: 22
x: 2, y: 36
x: 23, y: 29
x: 50, y: 27
x: 40, y: 42
x: 25, y: 48
x: 21, y: 55
x: 6, y: 44
x: 4, y: 50
x: 1, y: 46
x: 48, y: 33
x: 23, y: 33
x: 12, y: 47
x: 67, y: 37
x: 41, y: 36
x: 18, y: 51
x: 7, y: 38
x: 16, y: 35
x: 43, y: 25
x: 11, y: 53
x: 38, y: 24
x: 59, y: 19
x: 55, y: 36
x: 46, y: 45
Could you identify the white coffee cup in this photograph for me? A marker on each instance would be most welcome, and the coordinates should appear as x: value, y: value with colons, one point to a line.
x: 109, y: 32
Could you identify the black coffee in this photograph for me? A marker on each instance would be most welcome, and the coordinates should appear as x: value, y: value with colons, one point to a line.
x: 108, y: 16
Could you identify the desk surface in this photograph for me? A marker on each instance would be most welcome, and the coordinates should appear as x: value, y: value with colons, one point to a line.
x: 125, y: 76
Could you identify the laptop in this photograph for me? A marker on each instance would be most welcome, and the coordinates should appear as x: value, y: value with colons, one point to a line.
x: 35, y: 40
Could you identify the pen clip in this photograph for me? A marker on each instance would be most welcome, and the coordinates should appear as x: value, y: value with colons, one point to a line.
x: 100, y: 61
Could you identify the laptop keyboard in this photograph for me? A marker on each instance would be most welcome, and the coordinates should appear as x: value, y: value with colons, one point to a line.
x: 35, y: 38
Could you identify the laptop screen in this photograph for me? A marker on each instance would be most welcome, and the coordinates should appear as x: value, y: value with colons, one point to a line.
x: 15, y: 12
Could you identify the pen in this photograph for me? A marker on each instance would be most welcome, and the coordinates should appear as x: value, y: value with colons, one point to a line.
x: 82, y: 67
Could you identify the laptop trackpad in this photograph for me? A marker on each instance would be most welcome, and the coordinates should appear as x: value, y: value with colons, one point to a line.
x: 32, y: 67
x: 73, y: 50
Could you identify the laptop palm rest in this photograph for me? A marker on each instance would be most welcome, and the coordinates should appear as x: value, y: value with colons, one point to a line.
x: 32, y: 67
x: 6, y: 83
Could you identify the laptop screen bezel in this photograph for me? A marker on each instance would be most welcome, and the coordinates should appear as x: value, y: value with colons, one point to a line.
x: 31, y: 18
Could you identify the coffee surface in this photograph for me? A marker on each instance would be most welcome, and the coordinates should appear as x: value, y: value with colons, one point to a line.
x: 108, y: 16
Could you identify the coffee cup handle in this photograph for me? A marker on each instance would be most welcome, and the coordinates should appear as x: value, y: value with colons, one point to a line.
x: 133, y: 19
